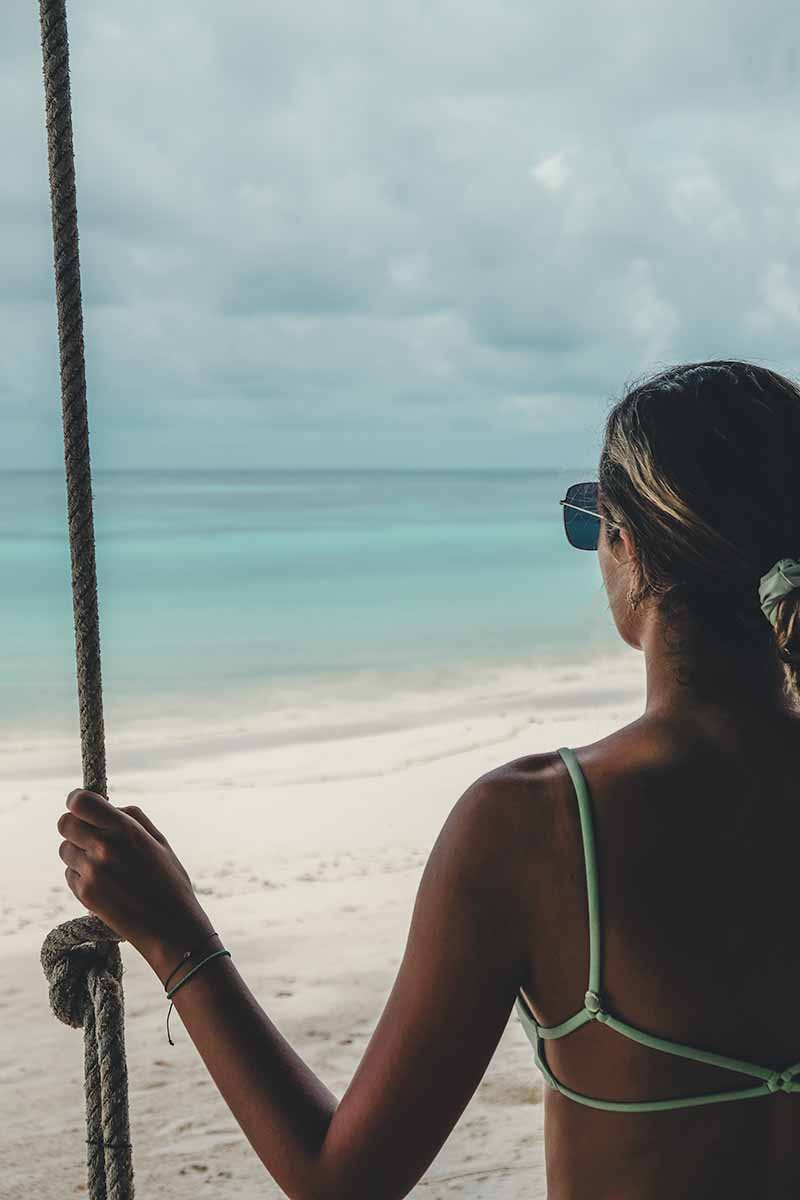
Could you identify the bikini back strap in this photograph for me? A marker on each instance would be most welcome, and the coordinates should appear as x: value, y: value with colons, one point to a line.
x: 570, y: 761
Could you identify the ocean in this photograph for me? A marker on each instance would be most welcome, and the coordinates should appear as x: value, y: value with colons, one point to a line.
x: 225, y: 588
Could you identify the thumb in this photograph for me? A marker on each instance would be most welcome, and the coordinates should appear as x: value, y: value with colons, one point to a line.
x: 134, y: 811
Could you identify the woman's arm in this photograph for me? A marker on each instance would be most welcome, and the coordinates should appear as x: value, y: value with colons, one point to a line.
x: 463, y: 962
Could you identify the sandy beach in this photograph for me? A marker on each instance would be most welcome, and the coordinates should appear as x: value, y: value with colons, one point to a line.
x: 305, y: 830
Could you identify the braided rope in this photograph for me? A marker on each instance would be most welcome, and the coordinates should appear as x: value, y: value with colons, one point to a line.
x: 81, y: 958
x: 83, y: 967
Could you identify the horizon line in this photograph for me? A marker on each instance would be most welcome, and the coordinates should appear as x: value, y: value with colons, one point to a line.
x: 280, y: 470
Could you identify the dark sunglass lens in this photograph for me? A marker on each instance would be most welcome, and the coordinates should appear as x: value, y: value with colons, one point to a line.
x: 584, y: 495
x: 582, y: 527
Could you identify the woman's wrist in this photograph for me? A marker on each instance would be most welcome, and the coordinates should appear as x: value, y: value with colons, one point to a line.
x: 165, y: 954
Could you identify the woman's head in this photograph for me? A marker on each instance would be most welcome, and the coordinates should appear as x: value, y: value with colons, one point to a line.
x: 700, y: 467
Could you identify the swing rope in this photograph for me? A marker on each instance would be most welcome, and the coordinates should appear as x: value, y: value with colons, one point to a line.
x: 81, y: 958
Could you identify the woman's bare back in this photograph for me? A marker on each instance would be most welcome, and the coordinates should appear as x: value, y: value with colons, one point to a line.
x: 698, y: 834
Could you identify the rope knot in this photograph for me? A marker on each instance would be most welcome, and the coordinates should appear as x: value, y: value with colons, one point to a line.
x: 83, y: 968
x: 77, y: 957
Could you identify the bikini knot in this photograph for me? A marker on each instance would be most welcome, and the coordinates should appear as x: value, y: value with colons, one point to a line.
x: 777, y: 1081
x: 591, y: 1002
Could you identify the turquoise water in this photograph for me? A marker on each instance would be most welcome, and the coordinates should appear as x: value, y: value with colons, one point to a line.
x: 214, y: 582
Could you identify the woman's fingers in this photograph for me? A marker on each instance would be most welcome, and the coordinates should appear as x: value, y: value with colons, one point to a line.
x: 94, y: 809
x: 73, y: 856
x: 75, y: 830
x: 134, y: 811
x: 94, y: 812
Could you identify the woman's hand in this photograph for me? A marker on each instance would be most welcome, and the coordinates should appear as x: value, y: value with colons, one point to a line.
x: 124, y: 871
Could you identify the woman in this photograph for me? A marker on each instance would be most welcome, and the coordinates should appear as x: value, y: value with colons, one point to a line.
x: 674, y: 840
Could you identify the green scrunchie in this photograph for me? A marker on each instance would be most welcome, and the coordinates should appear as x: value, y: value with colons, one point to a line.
x: 781, y: 579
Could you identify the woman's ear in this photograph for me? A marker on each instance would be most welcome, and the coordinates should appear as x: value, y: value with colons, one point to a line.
x: 623, y: 548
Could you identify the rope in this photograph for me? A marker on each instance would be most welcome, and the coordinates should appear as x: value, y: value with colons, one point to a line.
x: 83, y: 967
x: 81, y: 958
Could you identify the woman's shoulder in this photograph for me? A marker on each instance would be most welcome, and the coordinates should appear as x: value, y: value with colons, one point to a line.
x: 542, y: 778
x: 530, y: 796
x: 519, y: 802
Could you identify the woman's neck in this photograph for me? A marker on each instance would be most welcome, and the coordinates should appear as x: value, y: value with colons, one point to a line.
x: 690, y: 671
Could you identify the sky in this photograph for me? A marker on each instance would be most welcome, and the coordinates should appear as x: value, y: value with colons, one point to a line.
x: 365, y: 234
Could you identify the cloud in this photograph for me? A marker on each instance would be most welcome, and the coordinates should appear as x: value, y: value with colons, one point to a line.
x: 782, y: 297
x: 358, y: 232
x: 552, y: 172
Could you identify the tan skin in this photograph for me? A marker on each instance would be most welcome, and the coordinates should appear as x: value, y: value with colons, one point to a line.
x: 698, y: 830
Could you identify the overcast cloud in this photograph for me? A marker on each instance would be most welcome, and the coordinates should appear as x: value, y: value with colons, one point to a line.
x: 378, y: 234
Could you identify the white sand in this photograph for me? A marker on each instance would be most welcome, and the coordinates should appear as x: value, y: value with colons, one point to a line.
x: 307, y: 855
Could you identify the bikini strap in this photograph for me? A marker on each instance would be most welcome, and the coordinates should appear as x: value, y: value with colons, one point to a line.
x: 592, y: 999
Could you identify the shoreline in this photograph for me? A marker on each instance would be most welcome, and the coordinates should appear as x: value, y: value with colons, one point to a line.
x: 362, y: 705
x: 280, y: 798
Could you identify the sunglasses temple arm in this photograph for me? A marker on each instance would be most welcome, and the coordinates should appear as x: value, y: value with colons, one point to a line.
x: 589, y: 513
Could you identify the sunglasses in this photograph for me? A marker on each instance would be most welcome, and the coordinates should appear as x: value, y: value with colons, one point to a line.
x: 582, y: 517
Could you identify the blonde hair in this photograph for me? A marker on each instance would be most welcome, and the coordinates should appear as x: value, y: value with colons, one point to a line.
x: 701, y: 464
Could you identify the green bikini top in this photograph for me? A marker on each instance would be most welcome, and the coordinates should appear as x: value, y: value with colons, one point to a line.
x: 595, y: 1010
